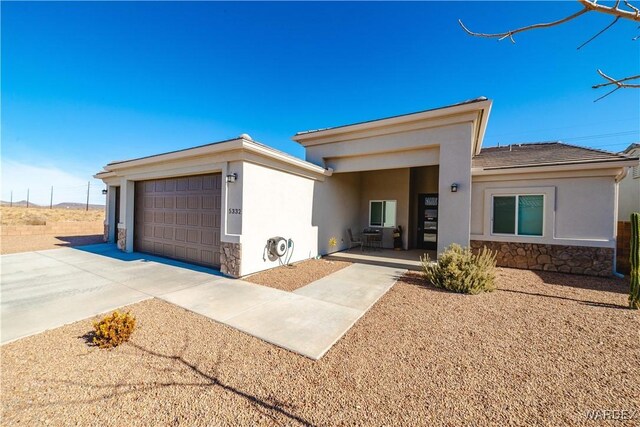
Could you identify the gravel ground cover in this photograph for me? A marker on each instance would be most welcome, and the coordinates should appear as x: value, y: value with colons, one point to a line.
x: 541, y: 350
x: 290, y: 278
x: 14, y: 244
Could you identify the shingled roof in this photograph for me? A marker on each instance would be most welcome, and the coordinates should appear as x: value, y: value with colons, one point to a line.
x: 541, y: 154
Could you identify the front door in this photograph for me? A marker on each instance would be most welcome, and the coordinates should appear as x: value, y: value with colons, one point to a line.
x: 427, y: 221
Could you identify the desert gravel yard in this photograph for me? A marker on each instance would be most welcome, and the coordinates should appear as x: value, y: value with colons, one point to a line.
x: 542, y: 350
x: 291, y: 277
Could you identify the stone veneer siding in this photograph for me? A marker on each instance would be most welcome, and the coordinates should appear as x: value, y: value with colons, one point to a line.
x: 566, y: 259
x: 105, y: 233
x: 230, y: 259
x: 122, y: 238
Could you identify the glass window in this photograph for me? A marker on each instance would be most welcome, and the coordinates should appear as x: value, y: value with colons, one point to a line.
x: 504, y: 214
x: 525, y: 211
x: 530, y: 210
x: 382, y: 213
x: 389, y: 213
x: 375, y: 212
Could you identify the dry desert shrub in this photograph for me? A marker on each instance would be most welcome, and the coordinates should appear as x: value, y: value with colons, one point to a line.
x: 114, y: 329
x: 460, y: 270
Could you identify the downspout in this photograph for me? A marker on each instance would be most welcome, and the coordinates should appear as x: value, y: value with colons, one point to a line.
x: 618, y: 178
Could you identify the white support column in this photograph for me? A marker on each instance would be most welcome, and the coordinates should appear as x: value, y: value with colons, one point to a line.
x: 454, y: 209
x: 110, y: 220
x: 125, y: 227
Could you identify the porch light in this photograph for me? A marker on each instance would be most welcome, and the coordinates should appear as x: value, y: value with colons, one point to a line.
x: 232, y: 177
x: 454, y: 188
x: 104, y: 192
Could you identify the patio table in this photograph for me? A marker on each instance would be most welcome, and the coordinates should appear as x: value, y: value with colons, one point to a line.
x: 371, y: 239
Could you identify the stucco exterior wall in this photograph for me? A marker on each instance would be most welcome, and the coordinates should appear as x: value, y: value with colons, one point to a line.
x: 275, y: 203
x: 579, y: 211
x: 336, y: 207
x: 390, y: 184
x: 454, y: 216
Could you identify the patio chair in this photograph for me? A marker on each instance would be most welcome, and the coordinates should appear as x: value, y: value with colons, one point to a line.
x: 353, y: 242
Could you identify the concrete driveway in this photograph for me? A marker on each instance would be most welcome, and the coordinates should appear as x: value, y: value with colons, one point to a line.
x: 46, y: 289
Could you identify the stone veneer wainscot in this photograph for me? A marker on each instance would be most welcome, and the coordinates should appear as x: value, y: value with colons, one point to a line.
x: 230, y: 259
x: 122, y: 238
x: 566, y: 259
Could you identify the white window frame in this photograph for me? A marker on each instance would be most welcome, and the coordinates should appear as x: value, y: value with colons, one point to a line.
x: 517, y: 213
x: 395, y: 220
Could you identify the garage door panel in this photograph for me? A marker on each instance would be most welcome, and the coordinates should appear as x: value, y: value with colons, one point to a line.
x: 195, y: 183
x: 193, y: 202
x: 180, y: 218
x: 208, y: 220
x: 193, y: 219
x: 208, y: 202
x: 169, y: 218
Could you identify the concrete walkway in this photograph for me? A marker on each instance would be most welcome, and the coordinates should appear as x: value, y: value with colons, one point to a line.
x: 47, y: 289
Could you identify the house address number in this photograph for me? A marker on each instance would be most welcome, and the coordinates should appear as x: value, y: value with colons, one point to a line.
x: 235, y: 211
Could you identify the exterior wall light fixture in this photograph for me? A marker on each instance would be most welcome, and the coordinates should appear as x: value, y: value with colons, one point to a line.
x: 232, y: 177
x: 104, y: 192
x: 454, y: 188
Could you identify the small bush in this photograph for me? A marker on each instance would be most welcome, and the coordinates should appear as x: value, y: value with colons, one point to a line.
x: 114, y: 329
x: 32, y: 219
x: 460, y: 270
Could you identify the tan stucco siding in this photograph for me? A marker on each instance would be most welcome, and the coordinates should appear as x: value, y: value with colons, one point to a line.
x: 275, y: 203
x: 391, y: 184
x: 336, y: 207
x: 579, y: 211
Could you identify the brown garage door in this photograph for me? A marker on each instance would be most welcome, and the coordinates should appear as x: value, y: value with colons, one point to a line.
x: 179, y: 218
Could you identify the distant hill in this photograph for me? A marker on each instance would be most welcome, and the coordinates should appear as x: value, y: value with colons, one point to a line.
x: 69, y: 205
x: 64, y: 205
x: 22, y: 203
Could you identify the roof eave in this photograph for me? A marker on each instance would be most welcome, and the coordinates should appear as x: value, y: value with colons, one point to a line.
x: 567, y: 166
x: 483, y: 107
x: 239, y: 144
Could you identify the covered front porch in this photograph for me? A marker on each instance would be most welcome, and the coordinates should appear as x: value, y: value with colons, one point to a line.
x: 377, y: 205
x: 409, y: 259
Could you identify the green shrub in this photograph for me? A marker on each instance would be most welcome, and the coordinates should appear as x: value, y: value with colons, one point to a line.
x: 114, y: 329
x: 460, y: 270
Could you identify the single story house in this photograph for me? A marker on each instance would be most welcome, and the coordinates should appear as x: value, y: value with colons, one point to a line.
x: 545, y: 206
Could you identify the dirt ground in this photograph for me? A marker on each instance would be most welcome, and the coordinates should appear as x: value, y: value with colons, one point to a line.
x: 17, y: 215
x: 14, y: 244
x: 290, y: 278
x: 544, y: 349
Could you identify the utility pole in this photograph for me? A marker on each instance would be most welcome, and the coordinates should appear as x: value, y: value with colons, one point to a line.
x: 51, y: 201
x: 27, y: 198
x: 88, y: 188
x: 11, y: 200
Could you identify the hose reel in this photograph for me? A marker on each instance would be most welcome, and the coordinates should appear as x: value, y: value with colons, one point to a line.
x: 279, y: 248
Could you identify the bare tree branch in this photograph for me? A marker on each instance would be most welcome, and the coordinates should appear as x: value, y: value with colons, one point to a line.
x: 614, y: 10
x: 606, y: 94
x: 632, y: 7
x: 510, y: 33
x: 587, y: 6
x: 618, y: 82
x: 599, y: 32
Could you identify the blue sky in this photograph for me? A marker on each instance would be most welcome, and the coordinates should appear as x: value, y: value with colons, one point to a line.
x: 87, y: 83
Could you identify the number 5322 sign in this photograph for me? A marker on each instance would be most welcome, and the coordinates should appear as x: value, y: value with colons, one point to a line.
x: 235, y: 211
